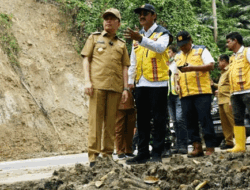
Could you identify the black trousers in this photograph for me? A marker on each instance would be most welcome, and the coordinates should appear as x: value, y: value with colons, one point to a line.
x: 197, y: 109
x: 151, y: 102
x: 239, y: 103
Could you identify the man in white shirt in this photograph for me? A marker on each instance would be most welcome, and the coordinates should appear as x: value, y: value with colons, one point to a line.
x: 150, y: 72
x: 239, y: 79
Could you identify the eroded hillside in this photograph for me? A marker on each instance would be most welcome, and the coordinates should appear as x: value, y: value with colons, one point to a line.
x: 42, y: 108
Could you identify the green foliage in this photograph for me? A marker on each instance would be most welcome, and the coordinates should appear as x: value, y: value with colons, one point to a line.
x: 195, y: 16
x: 8, y: 41
x: 171, y: 14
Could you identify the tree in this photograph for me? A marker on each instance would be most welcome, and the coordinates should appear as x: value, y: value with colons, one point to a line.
x: 194, y: 16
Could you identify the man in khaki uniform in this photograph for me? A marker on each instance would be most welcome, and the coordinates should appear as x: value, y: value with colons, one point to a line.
x: 226, y: 114
x: 105, y: 62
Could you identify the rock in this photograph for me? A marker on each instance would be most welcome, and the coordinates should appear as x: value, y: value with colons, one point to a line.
x: 196, y: 162
x: 29, y: 42
x: 98, y: 184
x: 208, y: 164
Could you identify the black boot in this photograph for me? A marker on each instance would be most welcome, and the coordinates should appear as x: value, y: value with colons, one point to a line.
x: 139, y: 159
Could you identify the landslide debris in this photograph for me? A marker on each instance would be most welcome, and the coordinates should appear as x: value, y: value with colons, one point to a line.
x: 220, y: 171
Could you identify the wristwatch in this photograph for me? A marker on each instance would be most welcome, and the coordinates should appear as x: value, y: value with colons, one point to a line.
x: 126, y: 89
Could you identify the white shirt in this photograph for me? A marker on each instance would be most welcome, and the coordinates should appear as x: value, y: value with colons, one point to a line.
x: 158, y: 46
x: 248, y: 58
x: 205, y: 56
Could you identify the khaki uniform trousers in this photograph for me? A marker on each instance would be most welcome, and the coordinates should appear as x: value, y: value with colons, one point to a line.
x: 227, y: 122
x: 103, y: 106
x: 125, y: 124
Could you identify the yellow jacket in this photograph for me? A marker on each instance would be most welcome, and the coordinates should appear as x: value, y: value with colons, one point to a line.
x: 195, y: 82
x: 150, y: 64
x: 239, y: 72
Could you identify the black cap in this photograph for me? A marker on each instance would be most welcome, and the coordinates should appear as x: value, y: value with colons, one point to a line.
x: 146, y: 7
x: 183, y: 37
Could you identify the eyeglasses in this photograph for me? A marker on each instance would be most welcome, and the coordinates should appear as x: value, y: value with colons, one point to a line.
x: 144, y: 13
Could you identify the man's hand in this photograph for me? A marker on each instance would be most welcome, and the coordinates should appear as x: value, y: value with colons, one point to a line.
x: 131, y: 87
x: 188, y: 68
x: 88, y: 89
x: 177, y: 88
x: 124, y: 96
x: 134, y: 35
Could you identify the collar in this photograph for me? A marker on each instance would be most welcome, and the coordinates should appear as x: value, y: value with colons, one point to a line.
x: 105, y: 33
x: 151, y: 29
x: 240, y: 50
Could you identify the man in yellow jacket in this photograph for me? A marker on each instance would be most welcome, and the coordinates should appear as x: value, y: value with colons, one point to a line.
x: 150, y: 71
x: 239, y: 78
x: 194, y: 64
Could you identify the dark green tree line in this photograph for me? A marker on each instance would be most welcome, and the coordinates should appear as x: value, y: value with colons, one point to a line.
x: 195, y: 16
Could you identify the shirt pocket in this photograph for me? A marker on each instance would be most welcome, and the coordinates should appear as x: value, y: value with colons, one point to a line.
x: 100, y: 48
x: 118, y: 53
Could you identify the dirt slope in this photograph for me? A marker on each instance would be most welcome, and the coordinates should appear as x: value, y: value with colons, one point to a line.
x: 47, y: 110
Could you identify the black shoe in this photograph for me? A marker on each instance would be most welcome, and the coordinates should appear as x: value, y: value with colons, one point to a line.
x: 167, y: 154
x: 91, y: 164
x: 130, y: 155
x: 174, y: 151
x: 225, y: 146
x: 139, y: 159
x: 155, y: 159
x: 121, y: 156
x: 182, y: 151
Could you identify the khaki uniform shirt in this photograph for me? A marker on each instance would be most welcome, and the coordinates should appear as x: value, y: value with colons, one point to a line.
x: 108, y: 55
x: 224, y: 87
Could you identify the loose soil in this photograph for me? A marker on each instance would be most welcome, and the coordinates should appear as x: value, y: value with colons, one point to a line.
x: 43, y: 109
x: 220, y: 171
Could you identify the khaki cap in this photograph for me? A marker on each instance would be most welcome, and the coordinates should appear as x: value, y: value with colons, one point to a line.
x: 112, y: 11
